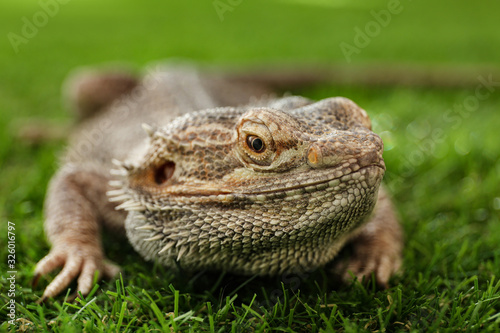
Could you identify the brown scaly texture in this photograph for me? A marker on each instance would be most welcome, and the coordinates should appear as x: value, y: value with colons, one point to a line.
x: 225, y: 176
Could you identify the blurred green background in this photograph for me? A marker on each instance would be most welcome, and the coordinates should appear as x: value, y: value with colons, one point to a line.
x: 442, y: 153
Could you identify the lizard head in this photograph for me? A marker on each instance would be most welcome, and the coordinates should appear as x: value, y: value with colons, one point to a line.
x: 254, y: 189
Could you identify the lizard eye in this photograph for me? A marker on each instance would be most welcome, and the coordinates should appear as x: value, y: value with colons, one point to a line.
x: 256, y: 144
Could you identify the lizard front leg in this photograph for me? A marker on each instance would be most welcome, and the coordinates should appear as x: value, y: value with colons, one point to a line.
x: 75, y: 206
x: 376, y: 249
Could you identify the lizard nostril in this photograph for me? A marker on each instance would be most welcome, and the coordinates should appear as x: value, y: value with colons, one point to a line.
x: 164, y: 172
x: 314, y: 156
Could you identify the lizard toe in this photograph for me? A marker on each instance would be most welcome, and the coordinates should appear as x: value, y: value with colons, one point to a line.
x: 377, y: 266
x: 86, y: 278
x: 110, y: 270
x: 388, y: 265
x: 70, y: 270
x: 362, y: 270
x: 48, y: 263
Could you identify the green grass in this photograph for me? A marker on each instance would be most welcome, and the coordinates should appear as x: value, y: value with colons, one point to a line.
x: 443, y: 167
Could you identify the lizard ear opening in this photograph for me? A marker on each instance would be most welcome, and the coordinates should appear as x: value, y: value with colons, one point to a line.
x: 152, y: 176
x: 164, y: 172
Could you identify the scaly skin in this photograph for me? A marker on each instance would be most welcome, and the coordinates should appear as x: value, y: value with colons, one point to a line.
x: 275, y: 186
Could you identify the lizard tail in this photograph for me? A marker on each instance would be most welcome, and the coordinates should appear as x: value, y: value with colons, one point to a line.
x: 87, y: 92
x: 278, y: 79
x: 370, y: 75
x: 90, y: 91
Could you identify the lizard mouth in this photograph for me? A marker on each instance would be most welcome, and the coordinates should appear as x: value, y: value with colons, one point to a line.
x: 327, y: 178
x: 158, y: 181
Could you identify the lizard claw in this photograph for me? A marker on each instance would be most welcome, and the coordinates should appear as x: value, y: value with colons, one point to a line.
x: 381, y: 268
x: 34, y: 281
x: 81, y: 262
x: 370, y: 258
x: 376, y: 250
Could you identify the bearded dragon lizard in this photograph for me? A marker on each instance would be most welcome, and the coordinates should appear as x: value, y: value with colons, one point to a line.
x: 221, y: 176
